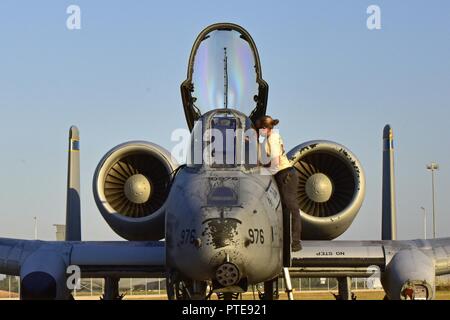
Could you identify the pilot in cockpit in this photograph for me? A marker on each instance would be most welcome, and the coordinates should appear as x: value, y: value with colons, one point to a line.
x: 273, y: 158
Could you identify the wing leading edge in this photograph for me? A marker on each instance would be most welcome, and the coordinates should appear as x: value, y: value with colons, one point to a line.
x: 95, y: 259
x: 407, y: 268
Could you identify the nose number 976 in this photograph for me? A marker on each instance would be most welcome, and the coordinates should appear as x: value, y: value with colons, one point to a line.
x: 256, y: 235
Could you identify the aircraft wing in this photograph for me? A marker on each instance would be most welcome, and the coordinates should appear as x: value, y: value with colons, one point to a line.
x: 401, y: 264
x: 95, y: 258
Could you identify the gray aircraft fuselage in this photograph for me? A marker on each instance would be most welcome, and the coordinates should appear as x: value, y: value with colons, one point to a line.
x: 224, y: 215
x: 202, y: 234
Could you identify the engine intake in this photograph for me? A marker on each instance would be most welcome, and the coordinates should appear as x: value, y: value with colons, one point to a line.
x: 331, y: 188
x: 131, y: 185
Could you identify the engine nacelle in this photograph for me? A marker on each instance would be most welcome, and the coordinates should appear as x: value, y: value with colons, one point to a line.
x: 331, y: 188
x: 410, y: 275
x: 131, y: 185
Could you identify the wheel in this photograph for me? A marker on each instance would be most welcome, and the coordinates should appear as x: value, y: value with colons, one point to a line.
x: 185, y: 289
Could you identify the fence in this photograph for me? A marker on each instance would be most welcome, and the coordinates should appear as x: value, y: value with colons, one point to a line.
x: 10, y: 285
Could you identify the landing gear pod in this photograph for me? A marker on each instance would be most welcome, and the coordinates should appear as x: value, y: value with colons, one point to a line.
x: 410, y: 275
x: 43, y: 277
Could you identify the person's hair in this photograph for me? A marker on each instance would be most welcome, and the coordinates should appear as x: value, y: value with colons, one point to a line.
x: 266, y: 122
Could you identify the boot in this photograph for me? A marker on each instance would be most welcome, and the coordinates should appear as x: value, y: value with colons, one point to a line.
x: 296, y: 246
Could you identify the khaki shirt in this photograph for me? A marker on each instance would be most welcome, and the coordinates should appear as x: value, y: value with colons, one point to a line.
x: 273, y: 147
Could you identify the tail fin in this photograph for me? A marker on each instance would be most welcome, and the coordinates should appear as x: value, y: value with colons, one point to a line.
x: 389, y: 216
x: 73, y: 210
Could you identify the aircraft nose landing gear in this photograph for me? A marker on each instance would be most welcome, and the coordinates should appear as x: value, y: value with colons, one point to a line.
x: 185, y: 289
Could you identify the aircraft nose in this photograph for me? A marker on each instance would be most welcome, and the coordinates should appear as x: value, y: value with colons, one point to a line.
x: 228, y: 241
x: 221, y: 232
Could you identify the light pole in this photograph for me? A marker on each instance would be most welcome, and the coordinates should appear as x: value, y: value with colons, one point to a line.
x: 424, y: 222
x: 131, y: 286
x: 146, y: 291
x: 35, y: 228
x: 433, y: 166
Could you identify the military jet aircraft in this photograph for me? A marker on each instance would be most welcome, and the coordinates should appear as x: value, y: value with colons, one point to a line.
x: 216, y: 224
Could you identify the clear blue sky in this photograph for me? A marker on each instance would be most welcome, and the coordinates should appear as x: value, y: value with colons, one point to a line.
x: 118, y: 79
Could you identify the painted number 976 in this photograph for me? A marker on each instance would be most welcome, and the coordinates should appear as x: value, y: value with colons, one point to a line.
x: 187, y: 236
x: 256, y: 235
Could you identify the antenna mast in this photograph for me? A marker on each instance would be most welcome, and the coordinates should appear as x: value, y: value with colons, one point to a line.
x: 225, y: 79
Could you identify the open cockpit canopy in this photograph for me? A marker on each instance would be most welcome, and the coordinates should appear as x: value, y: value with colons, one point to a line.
x: 224, y: 72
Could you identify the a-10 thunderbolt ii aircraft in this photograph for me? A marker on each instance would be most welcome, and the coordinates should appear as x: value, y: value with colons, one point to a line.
x: 223, y: 221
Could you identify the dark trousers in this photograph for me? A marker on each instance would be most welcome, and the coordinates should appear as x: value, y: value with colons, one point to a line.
x: 287, y: 182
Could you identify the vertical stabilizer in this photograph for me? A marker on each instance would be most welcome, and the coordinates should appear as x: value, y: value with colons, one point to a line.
x: 73, y: 210
x: 389, y: 215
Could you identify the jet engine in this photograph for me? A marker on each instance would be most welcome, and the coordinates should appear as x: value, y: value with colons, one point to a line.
x: 331, y: 188
x: 131, y: 185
